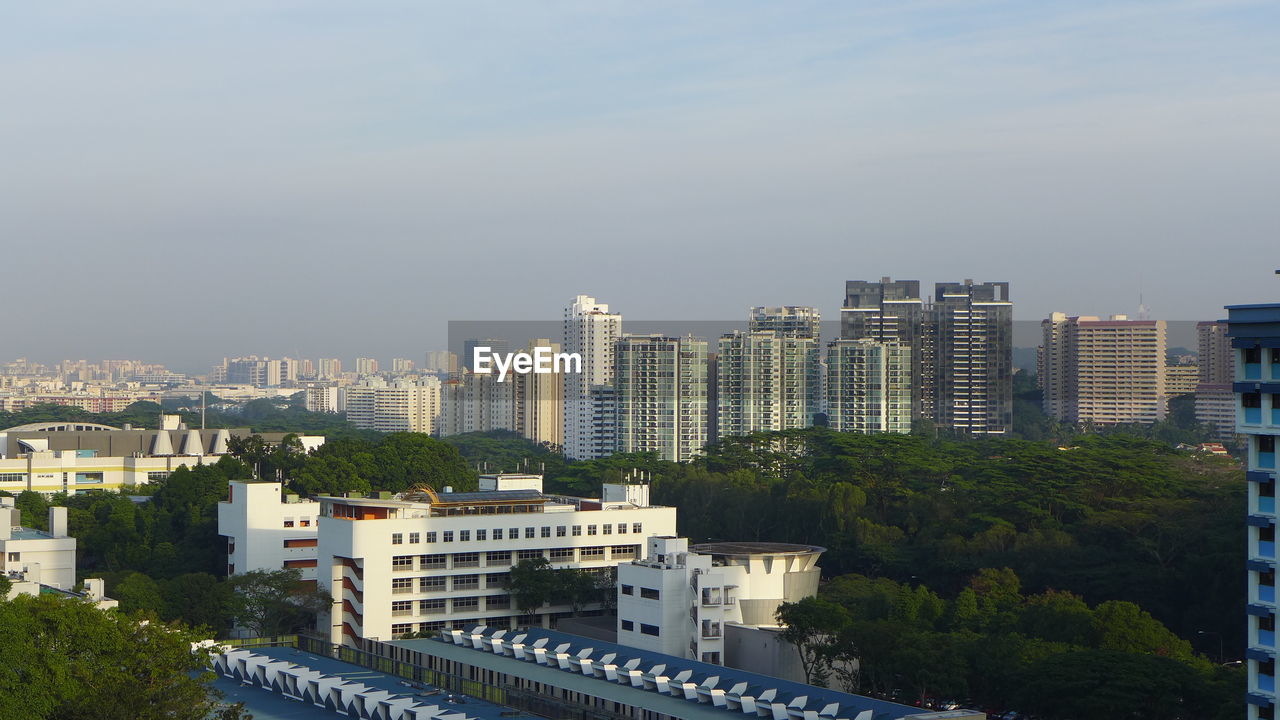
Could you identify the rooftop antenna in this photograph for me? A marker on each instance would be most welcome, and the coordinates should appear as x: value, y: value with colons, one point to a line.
x: 1144, y: 312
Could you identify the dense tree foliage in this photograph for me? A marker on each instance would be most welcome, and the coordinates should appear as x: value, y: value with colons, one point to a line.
x: 990, y: 645
x: 395, y: 462
x: 63, y: 659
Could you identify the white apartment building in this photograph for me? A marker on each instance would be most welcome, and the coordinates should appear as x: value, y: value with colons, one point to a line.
x: 1104, y: 372
x: 423, y: 561
x: 591, y: 331
x: 869, y: 386
x: 266, y: 530
x: 1215, y: 394
x: 678, y: 599
x: 402, y: 405
x: 324, y: 399
x: 328, y: 368
x: 366, y: 366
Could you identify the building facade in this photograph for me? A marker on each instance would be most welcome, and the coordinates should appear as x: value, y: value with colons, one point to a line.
x: 766, y: 380
x: 539, y: 401
x: 869, y: 386
x: 973, y: 351
x: 1104, y: 372
x: 476, y: 402
x: 402, y: 405
x: 679, y: 600
x: 1215, y: 398
x: 661, y: 395
x: 893, y: 311
x: 1254, y: 331
x: 422, y: 561
x: 266, y: 529
x: 591, y: 331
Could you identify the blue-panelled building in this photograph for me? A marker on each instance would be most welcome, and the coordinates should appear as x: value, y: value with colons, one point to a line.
x: 1255, y: 339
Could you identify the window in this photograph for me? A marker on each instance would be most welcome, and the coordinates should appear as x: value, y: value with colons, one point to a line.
x: 431, y: 584
x: 151, y: 476
x: 397, y: 538
x: 401, y: 628
x: 628, y: 625
x: 514, y: 533
x: 622, y: 551
x: 448, y: 536
x: 622, y: 528
x: 465, y: 560
x: 562, y: 554
x: 301, y: 542
x: 1267, y: 533
x: 15, y: 557
x: 400, y: 608
x: 496, y: 580
x: 607, y: 529
x: 497, y: 533
x: 546, y: 531
x: 591, y: 529
x: 464, y: 536
x: 481, y: 535
x: 528, y: 533
x: 635, y: 528
x: 577, y: 530
x: 497, y: 602
x: 628, y: 590
x: 500, y: 557
x: 711, y: 657
x: 415, y: 538
x: 400, y: 586
x: 466, y: 603
x: 561, y: 531
x: 427, y: 627
x: 1251, y: 400
x: 402, y: 562
x: 288, y: 523
x: 426, y: 607
x: 466, y: 582
x: 304, y: 522
x: 1252, y: 355
x: 1267, y: 443
x: 649, y: 630
x: 431, y: 536
x: 649, y: 593
x: 592, y: 553
x: 433, y: 562
x: 528, y: 554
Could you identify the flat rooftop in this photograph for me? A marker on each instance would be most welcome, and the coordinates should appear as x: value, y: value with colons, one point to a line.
x: 755, y: 548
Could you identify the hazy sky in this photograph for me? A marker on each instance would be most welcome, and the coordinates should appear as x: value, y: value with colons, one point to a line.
x: 186, y: 180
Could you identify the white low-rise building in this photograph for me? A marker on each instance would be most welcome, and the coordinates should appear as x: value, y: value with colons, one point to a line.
x: 36, y: 561
x: 266, y: 529
x: 423, y: 561
x: 679, y: 599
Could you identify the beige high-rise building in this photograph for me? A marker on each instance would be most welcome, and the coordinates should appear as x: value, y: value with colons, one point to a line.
x: 401, y: 406
x: 1215, y: 396
x: 1180, y: 378
x: 366, y: 366
x: 1104, y: 372
x: 476, y: 402
x: 328, y: 368
x: 540, y: 401
x: 661, y: 392
x: 868, y: 386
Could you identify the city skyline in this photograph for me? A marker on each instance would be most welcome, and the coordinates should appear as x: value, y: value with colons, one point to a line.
x: 341, y: 172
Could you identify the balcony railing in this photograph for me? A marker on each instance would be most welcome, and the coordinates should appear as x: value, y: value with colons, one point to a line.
x: 1266, y: 548
x: 1266, y: 504
x: 1267, y: 460
x: 1266, y: 683
x: 1253, y: 416
x: 1267, y: 594
x: 1253, y: 371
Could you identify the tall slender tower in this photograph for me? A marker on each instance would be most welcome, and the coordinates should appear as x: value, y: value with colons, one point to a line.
x: 1255, y: 341
x: 973, y: 351
x: 591, y: 331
